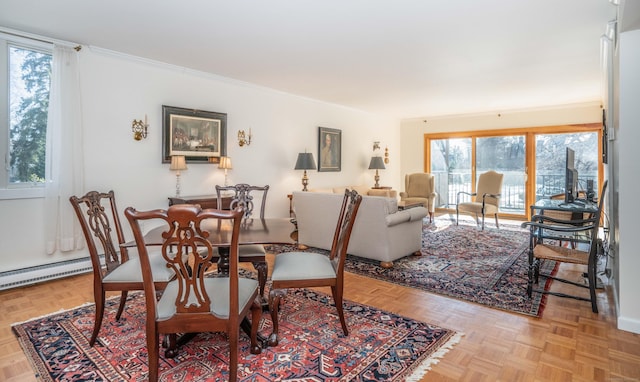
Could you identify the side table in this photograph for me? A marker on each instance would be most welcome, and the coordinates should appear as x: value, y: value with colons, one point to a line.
x: 205, y: 201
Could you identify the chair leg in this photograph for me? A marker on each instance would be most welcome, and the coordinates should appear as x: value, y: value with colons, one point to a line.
x: 233, y: 354
x: 256, y: 313
x: 497, y: 224
x: 123, y: 301
x: 262, y: 268
x: 591, y: 274
x: 482, y: 220
x: 97, y: 322
x: 274, y: 305
x: 153, y: 355
x: 337, y: 299
x: 457, y: 214
x: 530, y: 281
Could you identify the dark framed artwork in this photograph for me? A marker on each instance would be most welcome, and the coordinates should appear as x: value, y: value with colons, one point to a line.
x: 329, y: 149
x: 197, y: 134
x: 605, y: 137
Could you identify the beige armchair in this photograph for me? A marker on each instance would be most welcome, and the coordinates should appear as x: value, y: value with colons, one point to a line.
x: 420, y: 188
x: 486, y: 199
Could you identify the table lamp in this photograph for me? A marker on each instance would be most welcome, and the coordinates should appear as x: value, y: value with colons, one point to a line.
x: 225, y: 164
x: 305, y: 162
x: 378, y: 164
x: 178, y: 163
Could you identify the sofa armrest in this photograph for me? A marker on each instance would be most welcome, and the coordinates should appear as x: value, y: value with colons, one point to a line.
x: 409, y: 215
x: 403, y: 195
x: 417, y: 213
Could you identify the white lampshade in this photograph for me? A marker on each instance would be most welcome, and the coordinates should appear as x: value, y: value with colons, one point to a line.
x: 225, y: 163
x: 178, y: 163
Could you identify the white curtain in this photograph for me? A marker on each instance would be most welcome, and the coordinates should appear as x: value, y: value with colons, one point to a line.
x: 65, y: 167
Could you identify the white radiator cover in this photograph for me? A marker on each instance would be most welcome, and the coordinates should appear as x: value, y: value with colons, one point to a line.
x: 45, y: 272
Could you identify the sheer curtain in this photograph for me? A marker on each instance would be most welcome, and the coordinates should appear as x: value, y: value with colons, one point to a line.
x: 65, y: 167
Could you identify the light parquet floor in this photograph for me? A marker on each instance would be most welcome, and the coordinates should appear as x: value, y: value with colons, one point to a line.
x: 569, y: 342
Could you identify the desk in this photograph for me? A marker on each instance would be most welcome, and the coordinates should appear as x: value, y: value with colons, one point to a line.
x: 559, y: 205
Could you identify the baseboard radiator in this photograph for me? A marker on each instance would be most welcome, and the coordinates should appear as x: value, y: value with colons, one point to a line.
x: 45, y: 272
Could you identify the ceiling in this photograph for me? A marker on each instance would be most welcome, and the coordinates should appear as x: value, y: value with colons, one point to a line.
x: 401, y: 58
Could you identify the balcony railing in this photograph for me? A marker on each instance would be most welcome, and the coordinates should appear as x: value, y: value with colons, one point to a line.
x: 513, y: 190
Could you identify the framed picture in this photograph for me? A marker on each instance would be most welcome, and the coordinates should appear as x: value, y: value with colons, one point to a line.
x: 329, y: 149
x: 196, y: 134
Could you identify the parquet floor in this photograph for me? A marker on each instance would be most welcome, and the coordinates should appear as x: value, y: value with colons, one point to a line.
x: 569, y: 342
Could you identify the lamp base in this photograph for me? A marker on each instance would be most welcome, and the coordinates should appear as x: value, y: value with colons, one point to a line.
x: 377, y: 179
x: 305, y: 181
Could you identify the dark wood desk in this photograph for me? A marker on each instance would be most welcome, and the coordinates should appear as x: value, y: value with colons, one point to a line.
x: 205, y: 201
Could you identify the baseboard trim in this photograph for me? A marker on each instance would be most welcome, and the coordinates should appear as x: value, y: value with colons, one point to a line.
x: 33, y: 275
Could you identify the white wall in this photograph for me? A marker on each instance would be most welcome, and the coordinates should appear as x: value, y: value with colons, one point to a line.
x: 628, y: 136
x: 117, y: 89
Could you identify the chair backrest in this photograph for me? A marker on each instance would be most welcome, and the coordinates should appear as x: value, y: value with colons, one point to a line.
x: 98, y: 217
x: 243, y: 197
x: 185, y: 238
x: 419, y: 184
x: 346, y: 219
x: 489, y: 182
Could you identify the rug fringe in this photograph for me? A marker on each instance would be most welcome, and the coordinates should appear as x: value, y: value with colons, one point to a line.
x: 426, y: 365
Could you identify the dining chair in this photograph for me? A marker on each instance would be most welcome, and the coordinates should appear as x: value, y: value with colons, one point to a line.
x: 547, y: 235
x: 113, y: 268
x: 308, y: 269
x: 486, y: 199
x: 194, y: 302
x: 244, y: 195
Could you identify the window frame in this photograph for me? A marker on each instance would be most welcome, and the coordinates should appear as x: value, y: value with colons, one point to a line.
x: 10, y: 190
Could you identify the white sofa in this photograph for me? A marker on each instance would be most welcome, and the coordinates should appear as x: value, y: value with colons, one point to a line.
x: 380, y: 232
x: 362, y: 190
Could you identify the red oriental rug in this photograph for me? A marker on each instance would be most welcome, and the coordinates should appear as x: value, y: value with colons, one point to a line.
x: 487, y: 266
x: 381, y: 346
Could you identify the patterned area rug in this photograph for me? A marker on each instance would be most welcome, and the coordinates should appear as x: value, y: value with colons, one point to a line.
x: 487, y: 267
x: 381, y: 346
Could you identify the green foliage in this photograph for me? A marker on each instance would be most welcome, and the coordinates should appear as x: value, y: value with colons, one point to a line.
x: 28, y: 135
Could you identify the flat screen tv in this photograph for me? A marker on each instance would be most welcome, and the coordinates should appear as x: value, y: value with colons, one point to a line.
x: 571, y: 178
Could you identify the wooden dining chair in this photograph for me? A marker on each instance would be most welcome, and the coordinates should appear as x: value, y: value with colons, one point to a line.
x: 193, y: 302
x: 546, y: 236
x: 308, y: 269
x: 113, y: 269
x: 248, y: 197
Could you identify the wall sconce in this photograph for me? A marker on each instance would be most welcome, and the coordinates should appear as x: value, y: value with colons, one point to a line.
x: 139, y: 129
x: 386, y: 155
x: 305, y: 162
x: 377, y: 164
x: 225, y: 164
x: 178, y: 163
x: 244, y: 139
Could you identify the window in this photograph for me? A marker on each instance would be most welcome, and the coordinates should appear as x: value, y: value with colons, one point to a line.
x: 25, y: 76
x: 457, y: 159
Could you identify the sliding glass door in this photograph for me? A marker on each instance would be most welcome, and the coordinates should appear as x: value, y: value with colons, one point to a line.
x: 532, y: 161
